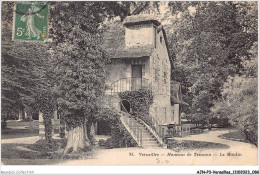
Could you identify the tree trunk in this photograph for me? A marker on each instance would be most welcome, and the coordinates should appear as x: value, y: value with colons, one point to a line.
x: 26, y: 117
x: 90, y: 134
x: 62, y: 127
x: 76, y: 139
x: 20, y: 115
x: 48, y: 127
x: 209, y: 125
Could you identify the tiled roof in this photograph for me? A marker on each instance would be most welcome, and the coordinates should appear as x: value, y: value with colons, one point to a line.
x: 114, y: 38
x: 133, y: 52
x: 114, y: 43
x: 141, y: 19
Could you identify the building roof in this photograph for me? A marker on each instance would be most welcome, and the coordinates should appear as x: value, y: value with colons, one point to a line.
x: 133, y: 52
x: 141, y: 19
x: 114, y: 38
x: 114, y: 43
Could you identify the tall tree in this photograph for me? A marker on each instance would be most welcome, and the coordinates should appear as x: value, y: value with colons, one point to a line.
x: 239, y: 99
x: 27, y: 77
x: 80, y: 64
x: 208, y: 41
x: 80, y: 67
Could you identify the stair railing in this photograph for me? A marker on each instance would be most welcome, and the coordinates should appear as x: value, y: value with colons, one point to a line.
x: 130, y: 125
x: 157, y: 126
x: 129, y: 84
x: 158, y: 138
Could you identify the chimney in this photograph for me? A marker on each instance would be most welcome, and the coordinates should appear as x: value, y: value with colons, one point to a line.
x: 140, y: 30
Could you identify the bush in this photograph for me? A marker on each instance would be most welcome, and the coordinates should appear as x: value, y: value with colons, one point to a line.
x: 178, y: 145
x: 119, y: 135
x: 220, y: 122
x: 140, y: 101
x: 3, y: 124
x: 237, y: 135
x: 101, y: 142
x: 109, y: 143
x: 43, y: 145
x: 196, y: 131
x: 240, y: 105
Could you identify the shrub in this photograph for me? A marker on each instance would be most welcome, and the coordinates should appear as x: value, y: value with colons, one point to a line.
x: 3, y: 124
x: 109, y: 143
x: 101, y: 142
x: 43, y: 145
x: 196, y: 131
x: 236, y: 135
x: 119, y: 135
x: 140, y: 101
x: 239, y: 104
x: 178, y: 145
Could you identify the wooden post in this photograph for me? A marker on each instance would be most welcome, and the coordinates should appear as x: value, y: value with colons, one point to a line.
x: 177, y: 113
x: 62, y: 128
x: 20, y: 115
x: 31, y: 122
x: 25, y: 115
x: 41, y: 126
x: 55, y: 121
x: 141, y: 137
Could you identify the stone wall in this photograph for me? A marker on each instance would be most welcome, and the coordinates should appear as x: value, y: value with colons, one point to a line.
x: 122, y: 68
x: 160, y: 79
x: 137, y: 35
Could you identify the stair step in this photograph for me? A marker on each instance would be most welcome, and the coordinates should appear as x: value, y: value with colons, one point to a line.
x: 155, y: 141
x: 150, y: 145
x: 147, y: 134
x: 150, y: 140
x: 146, y: 138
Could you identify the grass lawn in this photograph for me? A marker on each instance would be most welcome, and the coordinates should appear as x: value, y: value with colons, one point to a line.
x: 11, y: 151
x: 193, y: 145
x: 235, y: 135
x: 20, y: 129
x: 10, y: 155
x: 40, y: 150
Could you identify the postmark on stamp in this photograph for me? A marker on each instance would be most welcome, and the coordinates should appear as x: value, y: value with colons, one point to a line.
x: 30, y: 21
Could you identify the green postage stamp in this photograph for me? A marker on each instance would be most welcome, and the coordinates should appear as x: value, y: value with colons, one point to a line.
x: 30, y: 21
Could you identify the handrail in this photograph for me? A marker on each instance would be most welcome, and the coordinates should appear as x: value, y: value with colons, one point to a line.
x: 133, y: 128
x: 129, y: 78
x: 153, y: 132
x: 136, y: 135
x: 129, y: 84
x: 130, y: 129
x: 157, y: 125
x: 182, y: 130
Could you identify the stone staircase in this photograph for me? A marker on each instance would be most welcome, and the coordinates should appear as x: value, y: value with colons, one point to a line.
x: 143, y: 134
x: 140, y: 132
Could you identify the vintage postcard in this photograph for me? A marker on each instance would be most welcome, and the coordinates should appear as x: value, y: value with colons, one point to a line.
x: 129, y: 83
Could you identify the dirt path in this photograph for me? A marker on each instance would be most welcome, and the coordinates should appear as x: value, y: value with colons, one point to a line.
x: 241, y: 154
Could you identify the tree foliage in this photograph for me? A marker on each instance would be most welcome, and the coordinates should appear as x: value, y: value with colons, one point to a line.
x: 80, y: 61
x: 208, y: 43
x: 27, y: 79
x: 140, y: 103
x: 239, y: 99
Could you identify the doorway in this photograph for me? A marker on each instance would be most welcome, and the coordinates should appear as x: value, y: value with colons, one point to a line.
x: 103, y: 128
x: 125, y: 106
x: 136, y: 77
